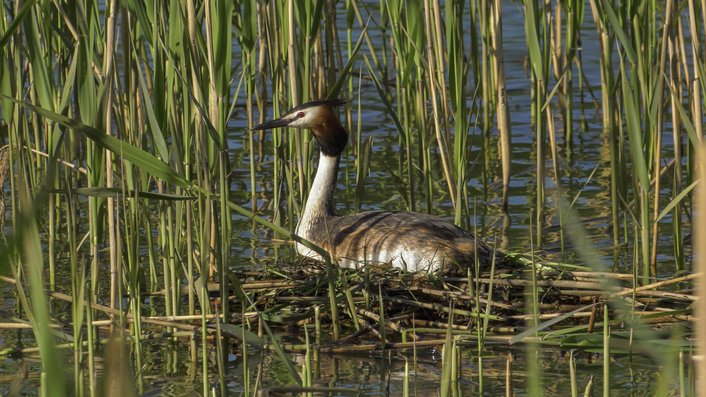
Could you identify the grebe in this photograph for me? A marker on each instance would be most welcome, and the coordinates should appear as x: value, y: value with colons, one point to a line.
x: 407, y: 240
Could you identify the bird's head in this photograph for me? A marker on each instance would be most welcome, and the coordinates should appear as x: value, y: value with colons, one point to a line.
x: 320, y: 118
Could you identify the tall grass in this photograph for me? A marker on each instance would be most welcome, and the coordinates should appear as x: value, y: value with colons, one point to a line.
x: 118, y: 119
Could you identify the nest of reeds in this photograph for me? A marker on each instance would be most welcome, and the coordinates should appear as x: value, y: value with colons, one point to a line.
x: 379, y: 307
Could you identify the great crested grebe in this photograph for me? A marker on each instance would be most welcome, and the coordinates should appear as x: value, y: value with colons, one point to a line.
x: 407, y: 240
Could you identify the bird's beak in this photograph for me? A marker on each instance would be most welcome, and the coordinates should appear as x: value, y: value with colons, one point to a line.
x: 271, y: 124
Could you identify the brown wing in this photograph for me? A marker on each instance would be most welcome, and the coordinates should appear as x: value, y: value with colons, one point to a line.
x: 378, y: 235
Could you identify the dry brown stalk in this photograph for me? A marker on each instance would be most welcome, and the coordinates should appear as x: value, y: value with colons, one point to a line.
x: 458, y: 295
x: 390, y: 324
x: 658, y: 284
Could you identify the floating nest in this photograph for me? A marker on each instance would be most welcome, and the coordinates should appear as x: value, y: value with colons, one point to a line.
x: 382, y: 308
x: 379, y: 308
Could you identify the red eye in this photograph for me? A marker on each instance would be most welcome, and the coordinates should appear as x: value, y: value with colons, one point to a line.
x: 300, y: 114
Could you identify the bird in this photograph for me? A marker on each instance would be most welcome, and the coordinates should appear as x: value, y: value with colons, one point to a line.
x: 410, y: 241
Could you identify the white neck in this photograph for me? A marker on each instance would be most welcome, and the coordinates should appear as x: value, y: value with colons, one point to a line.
x: 319, y: 204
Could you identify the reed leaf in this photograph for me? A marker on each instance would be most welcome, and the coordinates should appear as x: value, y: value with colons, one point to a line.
x: 28, y: 241
x: 160, y: 143
x: 222, y: 45
x: 691, y: 132
x: 677, y: 200
x: 334, y: 91
x: 242, y: 333
x: 274, y: 343
x: 131, y: 153
x: 632, y: 114
x: 16, y: 21
x: 619, y: 31
x: 116, y: 192
x: 535, y: 52
x: 41, y: 76
x: 385, y: 100
x: 542, y: 326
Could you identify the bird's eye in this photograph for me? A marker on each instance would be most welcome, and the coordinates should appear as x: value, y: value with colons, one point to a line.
x: 300, y: 114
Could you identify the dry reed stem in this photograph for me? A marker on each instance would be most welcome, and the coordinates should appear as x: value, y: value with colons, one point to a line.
x: 110, y: 311
x: 4, y: 167
x: 662, y: 284
x: 501, y: 109
x: 700, y: 266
